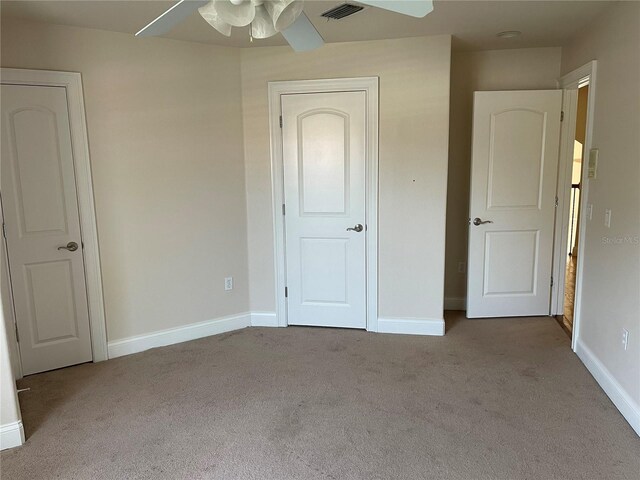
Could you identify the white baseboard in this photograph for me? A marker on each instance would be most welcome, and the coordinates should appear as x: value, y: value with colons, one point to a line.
x: 161, y: 338
x: 140, y: 343
x: 11, y: 435
x: 264, y: 319
x: 455, y: 303
x: 412, y: 326
x: 620, y: 398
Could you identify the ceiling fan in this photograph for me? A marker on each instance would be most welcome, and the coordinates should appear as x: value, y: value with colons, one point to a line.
x: 267, y: 18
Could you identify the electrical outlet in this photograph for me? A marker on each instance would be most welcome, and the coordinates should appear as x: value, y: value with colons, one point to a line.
x: 607, y: 218
x: 228, y: 283
x: 625, y: 338
x: 462, y: 267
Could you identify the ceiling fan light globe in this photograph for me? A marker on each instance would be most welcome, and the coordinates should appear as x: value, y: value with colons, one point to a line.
x: 237, y: 15
x: 283, y: 12
x: 210, y: 14
x: 262, y: 25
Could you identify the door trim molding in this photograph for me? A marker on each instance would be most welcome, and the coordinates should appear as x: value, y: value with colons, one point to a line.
x: 370, y: 86
x: 570, y: 81
x: 7, y: 306
x: 72, y: 82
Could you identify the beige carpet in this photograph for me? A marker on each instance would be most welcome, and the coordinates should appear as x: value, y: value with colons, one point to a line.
x: 493, y: 399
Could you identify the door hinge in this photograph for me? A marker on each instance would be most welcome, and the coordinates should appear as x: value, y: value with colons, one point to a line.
x: 280, y: 121
x: 17, y: 334
x: 556, y: 200
x: 286, y: 292
x: 4, y: 230
x: 552, y: 280
x: 284, y: 210
x: 561, y: 116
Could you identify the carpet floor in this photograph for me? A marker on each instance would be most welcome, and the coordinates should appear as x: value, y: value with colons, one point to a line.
x: 493, y: 399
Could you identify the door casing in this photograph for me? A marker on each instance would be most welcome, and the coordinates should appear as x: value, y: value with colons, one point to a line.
x: 369, y: 85
x: 569, y: 84
x: 72, y: 82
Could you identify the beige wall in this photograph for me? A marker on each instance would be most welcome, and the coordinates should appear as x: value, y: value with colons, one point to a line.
x: 611, y: 288
x: 414, y: 117
x: 165, y: 137
x: 518, y: 69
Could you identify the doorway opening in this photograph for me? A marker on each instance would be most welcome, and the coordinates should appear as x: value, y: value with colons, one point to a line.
x: 572, y: 196
x: 573, y: 234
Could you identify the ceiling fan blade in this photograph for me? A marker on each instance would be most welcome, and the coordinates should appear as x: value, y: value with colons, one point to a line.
x: 169, y: 19
x: 302, y: 35
x: 414, y: 8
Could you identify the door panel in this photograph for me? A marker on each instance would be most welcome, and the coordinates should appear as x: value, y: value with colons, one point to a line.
x: 324, y: 179
x: 323, y: 163
x: 41, y: 213
x: 516, y: 158
x: 513, y: 184
x: 322, y: 281
x: 37, y: 171
x: 504, y: 249
x: 51, y: 301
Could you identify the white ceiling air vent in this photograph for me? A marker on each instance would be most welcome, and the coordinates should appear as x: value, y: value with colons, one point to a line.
x: 341, y: 11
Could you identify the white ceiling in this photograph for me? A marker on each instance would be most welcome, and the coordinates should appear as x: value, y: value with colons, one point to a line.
x: 472, y: 23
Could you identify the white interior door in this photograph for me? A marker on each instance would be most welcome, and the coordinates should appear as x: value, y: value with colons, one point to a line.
x: 42, y: 226
x: 324, y: 181
x: 513, y: 184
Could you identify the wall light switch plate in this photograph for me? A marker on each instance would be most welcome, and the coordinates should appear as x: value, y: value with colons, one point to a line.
x: 607, y: 218
x: 593, y: 163
x: 228, y: 283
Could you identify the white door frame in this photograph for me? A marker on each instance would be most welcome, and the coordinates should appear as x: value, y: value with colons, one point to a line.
x: 72, y: 81
x: 370, y: 86
x: 569, y: 84
x: 7, y: 307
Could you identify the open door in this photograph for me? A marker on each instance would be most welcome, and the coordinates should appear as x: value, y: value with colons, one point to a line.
x: 512, y: 203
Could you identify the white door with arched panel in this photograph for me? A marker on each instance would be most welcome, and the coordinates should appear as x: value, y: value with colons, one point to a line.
x: 40, y: 208
x: 324, y: 158
x: 512, y: 203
